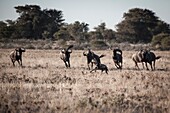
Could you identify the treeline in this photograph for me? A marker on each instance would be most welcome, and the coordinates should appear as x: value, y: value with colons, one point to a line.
x: 138, y: 26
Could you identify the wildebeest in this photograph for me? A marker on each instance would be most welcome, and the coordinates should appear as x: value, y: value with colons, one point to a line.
x: 92, y: 58
x: 101, y: 67
x: 138, y: 57
x: 89, y: 58
x: 16, y: 55
x: 150, y: 57
x: 95, y: 59
x: 145, y: 56
x: 65, y: 55
x: 117, y: 58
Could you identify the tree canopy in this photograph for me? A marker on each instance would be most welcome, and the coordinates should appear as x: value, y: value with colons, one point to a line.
x: 33, y: 22
x: 140, y: 25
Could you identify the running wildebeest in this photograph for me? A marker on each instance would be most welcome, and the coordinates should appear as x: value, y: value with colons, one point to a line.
x: 16, y: 55
x: 145, y: 56
x: 97, y: 62
x: 65, y: 55
x: 117, y: 58
x: 138, y: 58
x: 150, y: 57
x: 101, y: 67
x: 91, y: 58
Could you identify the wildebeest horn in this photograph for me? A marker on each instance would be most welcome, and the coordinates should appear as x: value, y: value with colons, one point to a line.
x: 16, y: 49
x: 63, y: 50
x: 84, y: 53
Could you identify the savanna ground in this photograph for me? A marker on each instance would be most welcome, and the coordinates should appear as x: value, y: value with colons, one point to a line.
x: 44, y: 85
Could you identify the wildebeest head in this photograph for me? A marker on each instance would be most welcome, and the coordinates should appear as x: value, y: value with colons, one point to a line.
x: 19, y: 50
x: 88, y: 54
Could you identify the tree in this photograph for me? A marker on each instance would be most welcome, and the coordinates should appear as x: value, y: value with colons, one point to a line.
x: 35, y: 23
x: 102, y: 33
x: 3, y: 25
x: 109, y: 34
x: 28, y: 24
x: 139, y: 25
x: 6, y: 29
x: 79, y: 31
x: 63, y: 34
x: 101, y: 28
x: 161, y: 40
x: 53, y: 21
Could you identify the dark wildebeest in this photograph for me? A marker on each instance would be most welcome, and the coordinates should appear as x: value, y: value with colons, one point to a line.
x: 138, y: 57
x: 16, y: 55
x: 117, y: 58
x: 101, y: 67
x: 92, y: 58
x: 97, y: 62
x: 89, y: 58
x: 65, y: 55
x: 145, y: 56
x: 150, y: 57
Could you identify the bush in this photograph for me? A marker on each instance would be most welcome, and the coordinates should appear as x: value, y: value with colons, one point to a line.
x: 161, y: 41
x: 99, y: 44
x: 29, y: 46
x: 47, y: 46
x: 165, y: 43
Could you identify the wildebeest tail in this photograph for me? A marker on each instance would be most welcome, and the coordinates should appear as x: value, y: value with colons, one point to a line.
x: 158, y: 57
x: 107, y: 69
x: 101, y: 56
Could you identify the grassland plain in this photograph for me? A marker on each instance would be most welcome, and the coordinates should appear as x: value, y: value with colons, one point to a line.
x: 44, y: 85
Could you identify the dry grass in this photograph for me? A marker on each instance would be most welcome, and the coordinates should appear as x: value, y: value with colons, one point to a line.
x: 45, y: 85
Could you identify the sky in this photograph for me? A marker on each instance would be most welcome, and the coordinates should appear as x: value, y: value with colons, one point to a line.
x: 92, y: 12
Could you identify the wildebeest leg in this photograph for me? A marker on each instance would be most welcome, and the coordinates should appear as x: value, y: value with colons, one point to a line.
x: 91, y: 65
x: 146, y: 66
x: 88, y: 66
x: 121, y: 65
x: 143, y: 65
x: 101, y: 71
x: 65, y: 63
x: 154, y: 65
x: 19, y: 62
x: 106, y: 71
x: 136, y: 64
x: 93, y: 69
x: 151, y: 65
x: 13, y: 62
x: 68, y: 63
x: 117, y: 66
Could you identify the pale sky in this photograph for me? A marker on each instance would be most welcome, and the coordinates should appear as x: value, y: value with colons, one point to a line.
x: 92, y: 12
